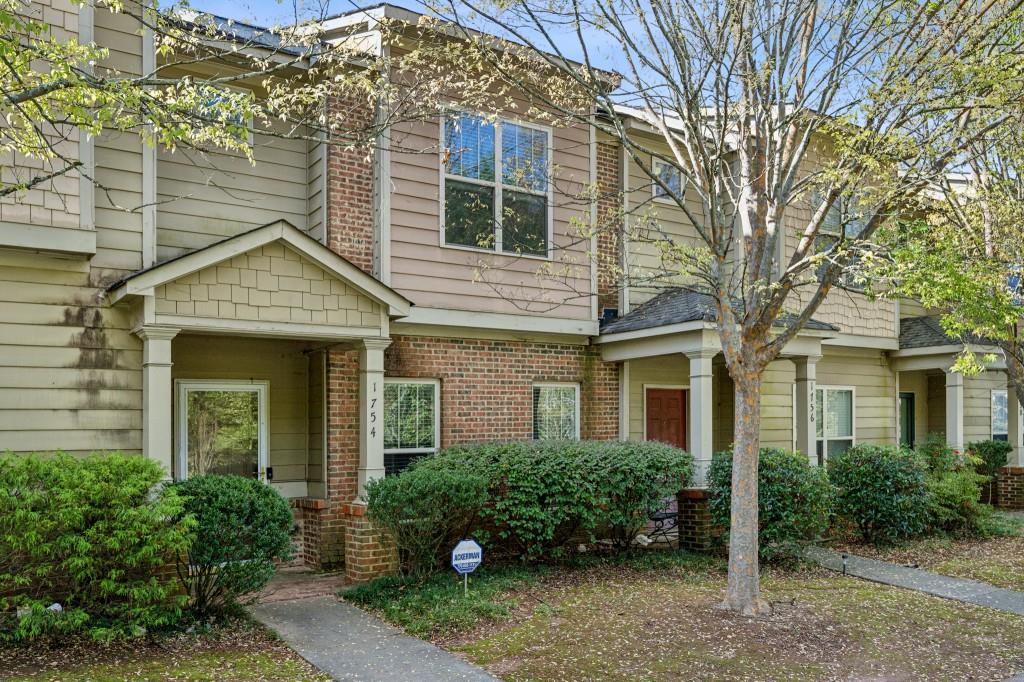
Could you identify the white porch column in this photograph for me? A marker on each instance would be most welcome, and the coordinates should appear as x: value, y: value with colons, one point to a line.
x: 371, y: 410
x: 955, y: 410
x: 805, y: 426
x: 1015, y: 427
x: 157, y: 395
x: 700, y: 409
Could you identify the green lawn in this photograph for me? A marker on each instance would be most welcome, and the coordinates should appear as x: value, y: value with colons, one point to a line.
x: 655, y: 618
x: 238, y: 653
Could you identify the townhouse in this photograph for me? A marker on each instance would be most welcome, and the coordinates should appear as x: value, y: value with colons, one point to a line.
x: 322, y: 317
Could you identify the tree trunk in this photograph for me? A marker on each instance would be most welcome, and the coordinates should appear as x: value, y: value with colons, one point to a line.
x: 744, y: 593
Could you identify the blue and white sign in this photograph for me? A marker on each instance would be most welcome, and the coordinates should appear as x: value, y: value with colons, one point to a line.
x: 466, y: 556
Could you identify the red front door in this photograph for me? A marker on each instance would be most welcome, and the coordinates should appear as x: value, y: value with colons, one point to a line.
x: 666, y: 416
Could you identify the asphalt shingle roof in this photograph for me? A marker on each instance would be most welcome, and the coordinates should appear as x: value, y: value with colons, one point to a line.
x: 927, y: 331
x: 678, y: 305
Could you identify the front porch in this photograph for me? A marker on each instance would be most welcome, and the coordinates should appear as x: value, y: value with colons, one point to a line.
x: 263, y: 356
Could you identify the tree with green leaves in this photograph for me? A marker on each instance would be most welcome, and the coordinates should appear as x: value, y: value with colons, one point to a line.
x: 796, y: 128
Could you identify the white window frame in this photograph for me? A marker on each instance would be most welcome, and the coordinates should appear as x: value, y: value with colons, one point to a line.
x: 181, y: 389
x: 992, y: 413
x: 498, y: 186
x: 555, y: 384
x: 821, y: 418
x: 656, y: 166
x: 436, y: 383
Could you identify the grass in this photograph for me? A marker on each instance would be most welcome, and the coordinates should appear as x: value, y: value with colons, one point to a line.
x: 239, y: 652
x: 653, y: 616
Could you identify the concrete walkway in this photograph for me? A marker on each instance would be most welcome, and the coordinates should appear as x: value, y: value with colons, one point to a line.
x: 350, y: 644
x: 960, y: 589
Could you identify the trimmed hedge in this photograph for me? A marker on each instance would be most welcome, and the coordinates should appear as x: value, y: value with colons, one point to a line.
x: 794, y: 500
x: 539, y: 495
x: 243, y: 526
x: 883, y: 490
x: 91, y: 535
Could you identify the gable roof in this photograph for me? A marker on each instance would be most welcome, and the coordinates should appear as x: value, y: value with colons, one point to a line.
x: 678, y: 305
x: 144, y: 281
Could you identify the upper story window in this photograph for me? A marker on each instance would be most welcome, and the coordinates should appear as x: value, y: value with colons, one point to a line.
x: 836, y: 225
x: 496, y: 186
x: 216, y: 108
x: 670, y: 177
x: 1000, y: 415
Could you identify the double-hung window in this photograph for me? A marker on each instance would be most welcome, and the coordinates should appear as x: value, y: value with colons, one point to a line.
x: 670, y: 177
x: 835, y: 225
x: 411, y: 421
x: 834, y: 424
x: 1000, y: 415
x: 556, y: 411
x: 496, y: 185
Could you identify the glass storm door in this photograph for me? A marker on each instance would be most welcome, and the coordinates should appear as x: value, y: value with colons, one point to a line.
x: 222, y: 428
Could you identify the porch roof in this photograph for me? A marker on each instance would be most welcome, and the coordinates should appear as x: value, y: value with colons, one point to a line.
x: 926, y: 331
x: 144, y: 281
x: 678, y: 305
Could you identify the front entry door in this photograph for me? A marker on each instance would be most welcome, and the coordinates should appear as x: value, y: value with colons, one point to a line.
x: 666, y: 415
x: 908, y: 431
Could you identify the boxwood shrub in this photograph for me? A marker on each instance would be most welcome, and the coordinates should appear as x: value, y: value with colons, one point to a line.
x: 882, y: 490
x: 794, y: 500
x: 92, y: 535
x: 243, y: 528
x: 991, y: 456
x: 540, y: 495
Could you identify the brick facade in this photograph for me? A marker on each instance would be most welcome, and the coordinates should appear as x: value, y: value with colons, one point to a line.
x: 1011, y: 488
x: 609, y: 221
x: 487, y: 386
x: 350, y: 199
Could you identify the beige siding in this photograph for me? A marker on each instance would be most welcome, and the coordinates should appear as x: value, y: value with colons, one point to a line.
x: 281, y: 363
x: 978, y: 404
x: 777, y: 405
x: 273, y: 284
x: 54, y: 202
x: 874, y: 386
x: 433, y: 276
x: 666, y: 370
x: 315, y: 194
x: 204, y: 198
x: 70, y: 374
x: 315, y: 410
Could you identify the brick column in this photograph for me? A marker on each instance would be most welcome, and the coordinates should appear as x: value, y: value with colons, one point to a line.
x: 1010, y: 482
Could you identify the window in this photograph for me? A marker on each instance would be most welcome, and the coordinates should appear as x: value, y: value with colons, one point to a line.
x: 556, y: 411
x: 496, y: 186
x: 837, y: 223
x: 1000, y: 415
x: 237, y: 125
x: 672, y: 178
x: 222, y: 428
x: 834, y: 424
x: 411, y: 421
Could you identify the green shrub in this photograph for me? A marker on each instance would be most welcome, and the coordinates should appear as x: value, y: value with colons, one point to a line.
x: 542, y: 494
x: 993, y: 455
x: 883, y: 490
x: 426, y: 510
x: 990, y: 456
x: 794, y: 500
x: 91, y: 535
x: 938, y: 456
x: 955, y: 501
x: 242, y: 527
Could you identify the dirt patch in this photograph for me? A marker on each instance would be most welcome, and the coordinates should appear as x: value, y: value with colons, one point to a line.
x: 238, y: 652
